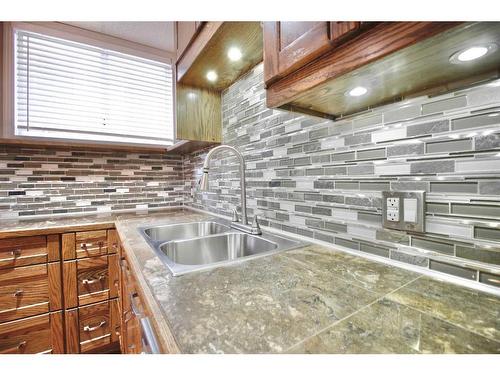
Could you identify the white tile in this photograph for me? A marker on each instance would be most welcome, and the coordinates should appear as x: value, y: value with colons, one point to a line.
x: 389, y: 135
x: 392, y: 169
x: 122, y: 190
x: 344, y: 214
x: 59, y: 198
x: 34, y: 193
x: 450, y: 229
x: 24, y: 172
x: 50, y: 167
x: 332, y: 143
x: 153, y: 183
x: 83, y: 203
x: 362, y: 232
x: 492, y: 166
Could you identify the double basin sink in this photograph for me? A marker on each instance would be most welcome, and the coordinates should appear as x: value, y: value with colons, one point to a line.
x: 194, y: 246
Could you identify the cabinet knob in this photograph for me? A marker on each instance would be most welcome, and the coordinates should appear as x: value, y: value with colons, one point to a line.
x: 15, y: 253
x: 18, y: 293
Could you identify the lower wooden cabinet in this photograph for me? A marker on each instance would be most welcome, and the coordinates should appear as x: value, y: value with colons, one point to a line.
x: 93, y: 328
x: 37, y: 334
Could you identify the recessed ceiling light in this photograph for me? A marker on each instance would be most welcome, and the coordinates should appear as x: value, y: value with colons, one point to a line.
x: 472, y: 53
x: 357, y: 91
x: 234, y: 54
x: 211, y: 76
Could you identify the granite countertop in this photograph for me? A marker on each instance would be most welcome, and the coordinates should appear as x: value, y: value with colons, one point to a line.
x: 308, y: 300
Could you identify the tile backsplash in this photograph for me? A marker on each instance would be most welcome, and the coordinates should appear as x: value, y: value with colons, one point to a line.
x: 323, y: 179
x: 37, y: 181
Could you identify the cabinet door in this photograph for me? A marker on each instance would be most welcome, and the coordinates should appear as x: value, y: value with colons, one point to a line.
x: 290, y: 45
x: 341, y: 30
x: 185, y: 32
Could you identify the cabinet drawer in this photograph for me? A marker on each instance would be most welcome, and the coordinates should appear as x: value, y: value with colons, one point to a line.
x: 24, y: 251
x: 92, y: 327
x: 90, y: 280
x: 38, y: 334
x: 27, y: 291
x: 89, y: 244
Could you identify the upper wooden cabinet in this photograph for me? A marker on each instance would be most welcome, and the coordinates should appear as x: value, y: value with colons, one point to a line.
x: 291, y: 45
x: 198, y: 99
x: 310, y: 67
x: 185, y: 32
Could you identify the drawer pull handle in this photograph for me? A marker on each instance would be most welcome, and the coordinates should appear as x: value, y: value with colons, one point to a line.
x: 83, y: 246
x: 100, y: 244
x: 21, y: 345
x: 18, y: 293
x: 15, y: 253
x: 90, y: 329
x: 92, y: 281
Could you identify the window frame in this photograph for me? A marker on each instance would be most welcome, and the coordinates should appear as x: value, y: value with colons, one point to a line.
x: 72, y: 33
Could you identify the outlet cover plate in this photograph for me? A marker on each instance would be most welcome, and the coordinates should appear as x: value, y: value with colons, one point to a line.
x: 419, y: 225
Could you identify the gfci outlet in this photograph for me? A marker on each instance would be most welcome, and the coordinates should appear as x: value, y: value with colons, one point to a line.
x: 393, y: 215
x: 404, y: 210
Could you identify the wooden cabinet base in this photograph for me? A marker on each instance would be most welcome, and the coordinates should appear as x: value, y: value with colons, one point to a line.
x: 38, y: 334
x: 93, y: 328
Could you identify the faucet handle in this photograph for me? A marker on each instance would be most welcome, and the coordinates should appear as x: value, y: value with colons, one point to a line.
x: 235, y: 216
x: 256, y: 225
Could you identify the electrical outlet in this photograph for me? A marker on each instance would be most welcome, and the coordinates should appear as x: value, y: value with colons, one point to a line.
x: 393, y: 203
x: 393, y: 215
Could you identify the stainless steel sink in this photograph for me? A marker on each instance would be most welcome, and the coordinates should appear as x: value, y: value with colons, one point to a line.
x: 184, y: 231
x: 207, y: 250
x: 195, y: 246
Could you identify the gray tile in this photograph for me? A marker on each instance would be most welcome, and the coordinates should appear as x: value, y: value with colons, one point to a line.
x: 440, y: 247
x: 438, y: 208
x: 364, y: 122
x: 406, y: 149
x: 347, y: 185
x: 485, y: 256
x: 449, y: 146
x: 347, y: 243
x: 444, y: 105
x: 476, y: 121
x: 335, y: 171
x: 434, y: 166
x: 376, y: 153
x: 490, y: 279
x: 343, y: 156
x: 487, y: 142
x: 372, y: 249
x: 416, y: 260
x: 375, y: 186
x: 432, y: 127
x: 454, y: 187
x: 351, y: 140
x: 404, y: 113
x: 410, y: 185
x: 487, y: 233
x: 323, y: 184
x: 475, y: 210
x: 489, y: 187
x: 342, y: 228
x: 465, y: 273
x: 362, y: 169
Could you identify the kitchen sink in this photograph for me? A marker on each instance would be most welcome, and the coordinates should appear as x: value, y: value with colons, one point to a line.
x: 206, y: 250
x: 185, y: 231
x: 195, y: 246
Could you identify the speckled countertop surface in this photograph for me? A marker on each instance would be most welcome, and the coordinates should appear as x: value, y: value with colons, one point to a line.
x: 308, y: 300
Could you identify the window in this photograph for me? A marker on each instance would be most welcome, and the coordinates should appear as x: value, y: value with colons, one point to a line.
x: 70, y: 90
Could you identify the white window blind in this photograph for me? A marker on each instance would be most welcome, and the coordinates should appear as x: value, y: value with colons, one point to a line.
x: 76, y: 91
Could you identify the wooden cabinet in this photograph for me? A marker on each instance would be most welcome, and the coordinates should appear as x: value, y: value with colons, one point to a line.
x: 93, y: 328
x: 91, y: 283
x: 24, y: 251
x: 38, y: 334
x: 185, y: 32
x: 291, y: 45
x: 311, y: 67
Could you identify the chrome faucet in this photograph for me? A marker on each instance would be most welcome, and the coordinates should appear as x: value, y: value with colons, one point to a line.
x: 243, y: 226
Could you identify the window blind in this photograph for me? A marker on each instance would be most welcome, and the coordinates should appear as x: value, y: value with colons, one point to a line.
x: 71, y: 90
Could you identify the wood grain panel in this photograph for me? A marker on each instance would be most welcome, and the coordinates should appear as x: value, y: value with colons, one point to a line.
x: 113, y: 241
x: 209, y: 52
x: 376, y: 43
x: 421, y: 68
x: 55, y: 286
x: 24, y: 291
x: 70, y: 284
x: 26, y: 336
x: 22, y: 251
x: 68, y: 246
x: 92, y: 280
x: 72, y: 331
x: 53, y: 247
x: 199, y: 115
x: 95, y: 326
x: 57, y: 332
x: 91, y: 243
x: 340, y: 30
x: 114, y: 275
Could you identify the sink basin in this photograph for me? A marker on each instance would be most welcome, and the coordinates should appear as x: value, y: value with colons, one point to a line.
x: 184, y: 231
x: 194, y: 246
x: 223, y: 247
